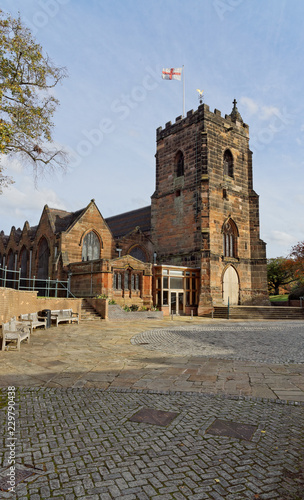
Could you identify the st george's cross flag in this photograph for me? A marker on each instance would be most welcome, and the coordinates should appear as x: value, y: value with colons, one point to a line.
x: 172, y: 74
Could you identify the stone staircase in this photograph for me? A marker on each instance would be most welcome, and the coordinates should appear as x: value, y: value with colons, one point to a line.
x: 88, y: 312
x: 259, y: 313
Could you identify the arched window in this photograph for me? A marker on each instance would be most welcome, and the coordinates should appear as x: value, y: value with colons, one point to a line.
x: 23, y: 262
x: 138, y: 253
x: 179, y: 164
x: 228, y: 163
x: 91, y: 247
x: 43, y: 260
x: 10, y: 267
x: 230, y: 234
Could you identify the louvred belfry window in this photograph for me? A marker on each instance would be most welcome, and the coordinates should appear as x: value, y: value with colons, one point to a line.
x: 228, y: 163
x: 179, y: 164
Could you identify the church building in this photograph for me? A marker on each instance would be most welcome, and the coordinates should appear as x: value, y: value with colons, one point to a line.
x: 197, y: 246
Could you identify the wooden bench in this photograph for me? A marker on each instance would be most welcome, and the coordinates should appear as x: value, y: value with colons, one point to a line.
x: 64, y: 315
x: 35, y: 320
x: 15, y: 331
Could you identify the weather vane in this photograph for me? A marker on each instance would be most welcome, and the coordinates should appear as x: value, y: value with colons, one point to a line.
x: 201, y: 95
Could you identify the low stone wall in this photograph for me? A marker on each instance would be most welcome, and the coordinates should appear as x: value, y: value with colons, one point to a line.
x: 116, y: 313
x: 288, y: 303
x: 16, y: 302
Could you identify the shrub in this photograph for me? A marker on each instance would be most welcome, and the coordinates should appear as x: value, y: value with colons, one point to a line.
x: 102, y: 296
x: 297, y: 293
x: 134, y: 307
x: 126, y: 308
x: 112, y: 302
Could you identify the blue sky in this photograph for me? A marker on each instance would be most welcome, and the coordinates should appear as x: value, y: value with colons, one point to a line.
x: 114, y: 99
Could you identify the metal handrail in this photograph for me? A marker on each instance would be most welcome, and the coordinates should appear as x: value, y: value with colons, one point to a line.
x: 10, y: 276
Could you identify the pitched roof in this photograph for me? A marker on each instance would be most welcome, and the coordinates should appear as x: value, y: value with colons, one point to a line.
x: 62, y: 220
x: 122, y: 224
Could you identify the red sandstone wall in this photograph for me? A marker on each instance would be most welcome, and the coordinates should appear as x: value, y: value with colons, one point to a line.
x: 14, y: 303
x: 71, y: 241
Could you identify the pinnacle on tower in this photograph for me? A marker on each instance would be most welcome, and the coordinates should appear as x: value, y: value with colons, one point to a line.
x: 235, y: 115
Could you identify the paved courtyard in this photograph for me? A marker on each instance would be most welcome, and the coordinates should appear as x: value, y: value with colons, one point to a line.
x: 156, y: 410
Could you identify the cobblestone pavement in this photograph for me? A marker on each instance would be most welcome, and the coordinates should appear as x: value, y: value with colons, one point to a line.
x: 101, y: 355
x: 80, y: 443
x: 238, y: 411
x: 261, y: 342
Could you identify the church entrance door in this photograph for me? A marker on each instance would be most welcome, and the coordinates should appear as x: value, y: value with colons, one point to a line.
x: 177, y: 303
x: 230, y: 287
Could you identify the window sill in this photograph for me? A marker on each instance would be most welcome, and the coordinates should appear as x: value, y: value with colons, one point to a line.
x: 230, y: 259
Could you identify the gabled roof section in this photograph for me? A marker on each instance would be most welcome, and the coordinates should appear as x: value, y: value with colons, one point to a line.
x: 125, y: 223
x: 61, y: 220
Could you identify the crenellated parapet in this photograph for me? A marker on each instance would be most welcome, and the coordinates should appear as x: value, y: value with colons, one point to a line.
x: 228, y: 122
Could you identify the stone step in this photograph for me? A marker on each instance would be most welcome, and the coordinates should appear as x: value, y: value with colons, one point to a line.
x: 88, y: 312
x: 258, y: 312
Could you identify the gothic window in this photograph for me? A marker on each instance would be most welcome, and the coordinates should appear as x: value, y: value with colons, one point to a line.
x: 43, y: 260
x: 230, y: 234
x: 10, y: 260
x: 90, y: 247
x: 179, y: 164
x: 228, y: 163
x: 23, y: 262
x: 138, y: 253
x: 10, y: 267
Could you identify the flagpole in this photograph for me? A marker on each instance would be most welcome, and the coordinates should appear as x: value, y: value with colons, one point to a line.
x: 183, y: 91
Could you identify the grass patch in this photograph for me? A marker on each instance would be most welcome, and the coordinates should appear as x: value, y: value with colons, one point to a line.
x: 278, y: 298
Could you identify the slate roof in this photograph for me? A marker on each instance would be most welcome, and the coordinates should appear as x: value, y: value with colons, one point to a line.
x: 62, y: 220
x: 122, y: 224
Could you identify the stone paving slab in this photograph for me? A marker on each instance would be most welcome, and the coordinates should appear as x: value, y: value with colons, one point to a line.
x: 81, y: 444
x: 101, y: 355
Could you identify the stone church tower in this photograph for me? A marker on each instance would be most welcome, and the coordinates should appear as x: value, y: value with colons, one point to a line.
x: 205, y: 213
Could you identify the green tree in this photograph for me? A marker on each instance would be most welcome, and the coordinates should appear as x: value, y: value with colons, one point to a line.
x: 27, y: 103
x: 296, y: 261
x: 279, y: 274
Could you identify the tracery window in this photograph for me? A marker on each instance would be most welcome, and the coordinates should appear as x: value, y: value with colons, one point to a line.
x: 228, y: 163
x: 90, y: 247
x: 179, y: 164
x: 230, y: 235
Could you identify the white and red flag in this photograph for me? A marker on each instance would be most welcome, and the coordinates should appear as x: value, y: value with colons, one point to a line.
x: 172, y: 74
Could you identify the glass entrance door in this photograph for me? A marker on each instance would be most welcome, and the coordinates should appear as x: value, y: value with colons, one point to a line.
x: 176, y: 302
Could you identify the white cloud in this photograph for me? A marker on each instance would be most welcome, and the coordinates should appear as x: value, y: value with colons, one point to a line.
x: 251, y: 105
x: 281, y: 238
x: 269, y: 111
x: 253, y: 108
x: 20, y: 204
